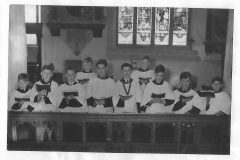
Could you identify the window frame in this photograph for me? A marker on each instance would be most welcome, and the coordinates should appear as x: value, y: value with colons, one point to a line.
x: 170, y: 45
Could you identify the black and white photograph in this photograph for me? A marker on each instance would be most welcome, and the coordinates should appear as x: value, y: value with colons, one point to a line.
x: 120, y: 80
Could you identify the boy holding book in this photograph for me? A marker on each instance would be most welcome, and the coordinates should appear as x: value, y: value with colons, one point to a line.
x: 143, y: 75
x: 44, y: 92
x: 20, y: 98
x: 100, y: 90
x: 72, y: 95
x: 127, y: 94
x: 216, y: 102
x: 87, y: 73
x: 187, y: 100
x: 158, y: 95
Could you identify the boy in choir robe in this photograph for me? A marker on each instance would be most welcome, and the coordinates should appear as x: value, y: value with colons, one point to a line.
x: 87, y: 73
x: 100, y: 90
x: 72, y: 95
x: 158, y: 95
x: 219, y: 102
x: 127, y: 94
x: 143, y: 75
x: 20, y: 98
x: 187, y: 100
x: 44, y: 92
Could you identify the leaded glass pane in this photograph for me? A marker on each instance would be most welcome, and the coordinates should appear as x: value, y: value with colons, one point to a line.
x: 31, y: 39
x: 30, y: 13
x: 180, y: 26
x: 144, y: 25
x: 125, y: 25
x: 162, y: 23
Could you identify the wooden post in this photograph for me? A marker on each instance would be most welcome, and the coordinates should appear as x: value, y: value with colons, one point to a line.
x: 39, y: 131
x: 128, y: 137
x: 59, y: 132
x: 179, y: 129
x: 109, y: 136
x: 14, y: 131
x: 84, y: 135
x: 153, y: 136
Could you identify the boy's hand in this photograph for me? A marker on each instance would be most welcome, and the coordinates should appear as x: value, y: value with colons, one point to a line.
x: 21, y: 103
x: 43, y: 92
x: 99, y: 101
x: 186, y: 100
x: 70, y: 97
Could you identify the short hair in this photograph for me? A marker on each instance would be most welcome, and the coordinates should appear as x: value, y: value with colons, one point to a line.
x: 145, y: 57
x: 71, y: 68
x: 23, y: 76
x: 159, y: 68
x: 102, y: 61
x: 126, y: 65
x: 48, y: 67
x: 185, y: 75
x: 88, y: 60
x: 217, y: 79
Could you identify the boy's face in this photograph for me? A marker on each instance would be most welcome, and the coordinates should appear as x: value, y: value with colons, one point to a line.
x: 159, y: 76
x: 185, y: 83
x: 70, y: 76
x: 101, y: 68
x: 22, y: 84
x: 217, y: 86
x: 126, y: 72
x: 87, y: 66
x: 46, y: 75
x: 144, y: 64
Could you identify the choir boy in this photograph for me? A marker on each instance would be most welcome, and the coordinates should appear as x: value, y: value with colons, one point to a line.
x: 158, y: 95
x: 219, y: 102
x: 187, y: 100
x: 20, y: 98
x: 100, y: 90
x: 127, y: 94
x: 143, y: 75
x: 72, y: 95
x: 44, y: 92
x: 87, y: 73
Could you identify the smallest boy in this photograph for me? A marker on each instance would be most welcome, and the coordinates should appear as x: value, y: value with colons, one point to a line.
x: 86, y: 74
x: 220, y: 103
x: 20, y: 98
x: 72, y: 95
x: 143, y: 75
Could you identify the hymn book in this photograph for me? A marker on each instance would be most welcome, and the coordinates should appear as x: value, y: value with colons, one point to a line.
x: 22, y: 99
x: 42, y: 87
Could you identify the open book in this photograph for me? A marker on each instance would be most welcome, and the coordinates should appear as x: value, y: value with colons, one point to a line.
x: 70, y: 93
x: 158, y: 95
x: 42, y: 87
x: 82, y: 81
x: 206, y: 93
x: 20, y: 99
x: 186, y: 97
x: 129, y: 96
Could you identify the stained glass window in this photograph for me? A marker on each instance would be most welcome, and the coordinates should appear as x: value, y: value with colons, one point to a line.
x: 144, y: 25
x: 162, y: 24
x: 180, y: 26
x: 125, y: 25
x: 158, y: 26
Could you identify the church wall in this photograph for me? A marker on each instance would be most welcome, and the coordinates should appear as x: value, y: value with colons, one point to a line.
x: 56, y: 51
